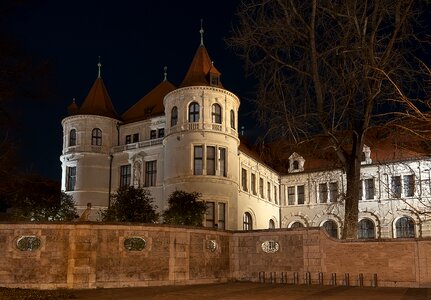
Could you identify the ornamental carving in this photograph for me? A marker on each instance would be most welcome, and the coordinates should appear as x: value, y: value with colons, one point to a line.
x: 270, y: 246
x: 28, y: 243
x: 135, y: 244
x: 212, y: 245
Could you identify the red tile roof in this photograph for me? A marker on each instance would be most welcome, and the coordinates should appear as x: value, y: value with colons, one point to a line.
x: 150, y: 105
x: 98, y: 102
x: 200, y: 70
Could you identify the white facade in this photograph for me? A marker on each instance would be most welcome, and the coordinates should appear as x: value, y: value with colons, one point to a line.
x: 193, y: 145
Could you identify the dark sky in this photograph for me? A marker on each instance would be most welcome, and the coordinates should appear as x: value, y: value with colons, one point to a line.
x: 135, y: 40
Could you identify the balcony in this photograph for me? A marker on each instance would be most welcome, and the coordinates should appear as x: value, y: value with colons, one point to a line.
x: 139, y: 145
x: 202, y: 126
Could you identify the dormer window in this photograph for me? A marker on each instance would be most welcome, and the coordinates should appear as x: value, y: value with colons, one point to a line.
x: 366, y: 156
x: 296, y: 163
x: 214, y: 80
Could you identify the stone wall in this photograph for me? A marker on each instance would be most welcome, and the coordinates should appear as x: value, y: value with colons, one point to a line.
x: 92, y: 255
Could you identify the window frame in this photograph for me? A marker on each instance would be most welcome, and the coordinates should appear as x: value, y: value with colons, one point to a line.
x: 244, y: 184
x: 174, y: 116
x: 365, y: 231
x: 247, y: 221
x: 194, y: 111
x: 211, y: 160
x: 232, y: 119
x: 402, y: 228
x: 150, y: 173
x: 198, y: 163
x: 216, y: 113
x: 125, y: 175
x: 96, y: 137
x: 70, y: 178
x: 72, y: 137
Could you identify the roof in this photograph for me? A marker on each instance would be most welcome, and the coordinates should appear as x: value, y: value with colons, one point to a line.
x: 98, y: 102
x: 150, y: 105
x: 200, y: 70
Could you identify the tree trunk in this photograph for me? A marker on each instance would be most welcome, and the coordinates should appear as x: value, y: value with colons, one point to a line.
x: 353, y: 174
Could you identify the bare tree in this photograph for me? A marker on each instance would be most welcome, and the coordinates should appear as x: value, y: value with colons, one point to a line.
x: 334, y: 70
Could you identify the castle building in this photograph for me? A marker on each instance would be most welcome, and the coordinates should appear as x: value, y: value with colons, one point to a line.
x: 186, y: 138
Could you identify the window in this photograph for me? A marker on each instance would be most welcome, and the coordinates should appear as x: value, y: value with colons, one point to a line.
x: 211, y: 160
x: 244, y: 179
x: 174, y: 116
x: 275, y: 195
x: 323, y: 193
x: 271, y: 224
x: 197, y: 160
x: 369, y: 188
x: 128, y: 139
x: 291, y: 195
x: 366, y: 229
x: 300, y: 191
x: 209, y: 215
x: 247, y: 222
x: 161, y: 132
x: 396, y: 186
x: 268, y: 190
x: 216, y: 113
x: 194, y: 112
x: 222, y: 161
x: 96, y: 137
x: 296, y: 225
x: 135, y: 137
x: 333, y: 191
x: 153, y: 134
x: 70, y: 178
x: 72, y: 137
x: 295, y: 165
x: 125, y: 175
x: 221, y: 215
x: 261, y: 188
x: 232, y: 119
x: 409, y: 185
x: 331, y: 228
x: 150, y: 173
x: 405, y: 228
x: 253, y: 184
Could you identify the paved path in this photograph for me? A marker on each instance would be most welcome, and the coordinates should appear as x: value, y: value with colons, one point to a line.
x: 250, y: 291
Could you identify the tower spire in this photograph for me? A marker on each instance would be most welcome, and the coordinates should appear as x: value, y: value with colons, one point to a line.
x: 202, y: 33
x: 165, y: 73
x: 99, y: 66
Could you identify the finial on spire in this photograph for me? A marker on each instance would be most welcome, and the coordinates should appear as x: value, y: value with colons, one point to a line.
x: 202, y: 33
x: 165, y: 73
x: 73, y: 100
x: 99, y: 66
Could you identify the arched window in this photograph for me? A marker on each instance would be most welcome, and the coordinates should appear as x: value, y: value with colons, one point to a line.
x: 96, y: 137
x: 366, y: 229
x: 331, y: 228
x: 174, y: 116
x: 271, y: 224
x: 194, y: 112
x: 232, y: 119
x: 72, y: 137
x: 216, y: 113
x: 247, y: 222
x: 296, y: 225
x: 405, y: 228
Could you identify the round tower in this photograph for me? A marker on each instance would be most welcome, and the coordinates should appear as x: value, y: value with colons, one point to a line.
x: 89, y: 132
x: 201, y: 144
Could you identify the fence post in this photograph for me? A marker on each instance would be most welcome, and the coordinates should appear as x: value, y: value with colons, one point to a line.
x: 295, y: 278
x: 346, y: 279
x: 361, y: 279
x: 261, y: 277
x: 307, y: 279
x: 374, y: 282
x: 334, y: 279
x: 284, y: 277
x: 320, y: 278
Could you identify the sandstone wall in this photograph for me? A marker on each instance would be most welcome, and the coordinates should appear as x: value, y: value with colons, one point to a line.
x: 92, y: 255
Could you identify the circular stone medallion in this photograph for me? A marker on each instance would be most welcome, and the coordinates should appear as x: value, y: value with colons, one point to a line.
x: 135, y: 244
x: 270, y: 246
x: 28, y: 243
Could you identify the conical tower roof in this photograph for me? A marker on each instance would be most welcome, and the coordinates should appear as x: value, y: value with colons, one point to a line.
x: 150, y: 105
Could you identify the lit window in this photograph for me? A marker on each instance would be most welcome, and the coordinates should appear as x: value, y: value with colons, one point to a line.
x: 174, y: 116
x: 72, y: 137
x: 216, y: 113
x: 405, y: 228
x: 409, y: 185
x: 232, y: 119
x: 150, y: 173
x: 125, y: 175
x: 70, y: 178
x: 244, y: 179
x: 194, y: 112
x: 211, y: 160
x: 331, y: 228
x: 247, y: 222
x: 96, y: 137
x: 222, y: 161
x: 366, y: 229
x: 197, y: 160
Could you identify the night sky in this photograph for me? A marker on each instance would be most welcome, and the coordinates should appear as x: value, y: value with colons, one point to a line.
x: 135, y: 40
